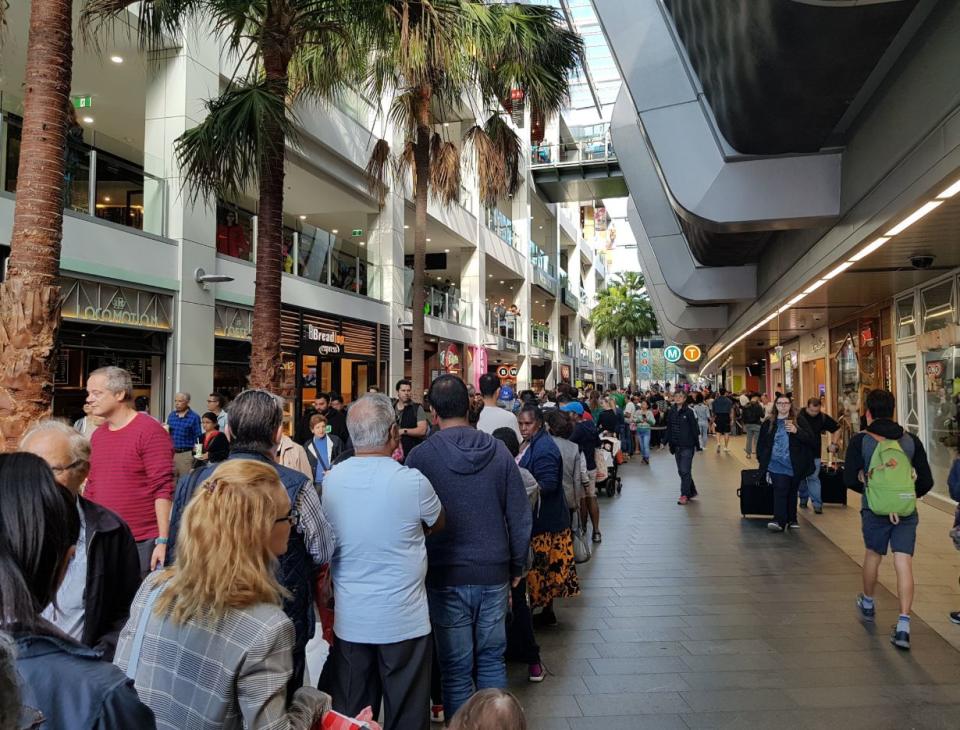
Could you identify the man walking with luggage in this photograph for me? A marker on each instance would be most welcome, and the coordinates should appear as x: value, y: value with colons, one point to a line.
x: 683, y: 438
x: 889, y: 467
x: 818, y: 423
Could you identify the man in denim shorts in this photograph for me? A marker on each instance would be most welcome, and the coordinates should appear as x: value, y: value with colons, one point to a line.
x: 881, y: 532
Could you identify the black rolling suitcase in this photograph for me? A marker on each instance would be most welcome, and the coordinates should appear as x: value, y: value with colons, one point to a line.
x: 832, y: 489
x: 756, y: 496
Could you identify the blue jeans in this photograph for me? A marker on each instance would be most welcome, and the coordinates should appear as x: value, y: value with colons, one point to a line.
x: 704, y: 433
x: 643, y: 435
x: 810, y: 487
x: 626, y: 440
x: 470, y: 633
x: 753, y: 435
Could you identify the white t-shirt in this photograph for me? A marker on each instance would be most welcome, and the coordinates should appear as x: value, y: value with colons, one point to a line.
x: 494, y: 417
x: 375, y: 507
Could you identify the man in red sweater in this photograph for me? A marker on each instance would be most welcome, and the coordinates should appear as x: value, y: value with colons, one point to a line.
x: 131, y: 464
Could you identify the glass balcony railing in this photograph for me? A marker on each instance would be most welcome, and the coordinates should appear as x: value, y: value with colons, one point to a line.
x: 97, y: 182
x: 502, y: 322
x: 540, y: 337
x: 500, y: 224
x: 596, y: 149
x: 541, y: 260
x: 567, y: 347
x: 356, y: 106
x: 442, y: 303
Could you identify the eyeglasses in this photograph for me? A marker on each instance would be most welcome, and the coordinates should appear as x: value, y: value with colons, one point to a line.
x: 57, y: 470
x: 783, y: 402
x: 293, y: 517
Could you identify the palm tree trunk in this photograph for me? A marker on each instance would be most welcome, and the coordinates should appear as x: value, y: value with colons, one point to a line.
x: 618, y: 351
x: 265, y: 362
x: 632, y: 345
x: 421, y: 162
x: 30, y: 296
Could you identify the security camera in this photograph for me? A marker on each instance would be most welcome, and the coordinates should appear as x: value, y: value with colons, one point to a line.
x: 921, y: 261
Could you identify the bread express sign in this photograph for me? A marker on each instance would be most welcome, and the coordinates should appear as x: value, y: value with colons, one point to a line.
x: 93, y: 301
x: 324, y: 341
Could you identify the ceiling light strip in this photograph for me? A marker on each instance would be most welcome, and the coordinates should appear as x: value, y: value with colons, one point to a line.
x: 869, y: 248
x: 914, y: 217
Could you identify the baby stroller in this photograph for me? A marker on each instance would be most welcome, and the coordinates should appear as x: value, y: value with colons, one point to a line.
x: 610, y: 450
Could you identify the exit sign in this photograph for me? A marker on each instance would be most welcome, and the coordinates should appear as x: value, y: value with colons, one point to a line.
x: 82, y: 102
x: 356, y: 232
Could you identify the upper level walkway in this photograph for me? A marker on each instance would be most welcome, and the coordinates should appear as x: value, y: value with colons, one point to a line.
x: 692, y: 617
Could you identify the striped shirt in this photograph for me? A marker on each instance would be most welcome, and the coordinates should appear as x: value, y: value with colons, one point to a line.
x: 131, y: 468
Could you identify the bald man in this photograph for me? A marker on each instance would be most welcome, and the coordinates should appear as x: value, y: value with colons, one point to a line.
x: 93, y: 602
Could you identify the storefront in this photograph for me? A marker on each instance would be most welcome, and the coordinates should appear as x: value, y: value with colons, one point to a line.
x: 861, y: 360
x: 928, y: 371
x: 813, y: 367
x: 109, y: 324
x: 233, y: 328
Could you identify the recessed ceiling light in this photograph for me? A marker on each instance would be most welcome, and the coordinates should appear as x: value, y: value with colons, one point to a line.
x: 116, y: 59
x: 334, y: 231
x: 870, y: 248
x: 842, y: 267
x: 438, y: 278
x: 502, y: 281
x: 489, y: 276
x: 363, y: 243
x: 541, y: 228
x: 106, y: 198
x: 428, y: 240
x: 88, y: 120
x: 405, y: 227
x: 446, y: 250
x: 913, y: 217
x: 951, y: 191
x: 303, y: 217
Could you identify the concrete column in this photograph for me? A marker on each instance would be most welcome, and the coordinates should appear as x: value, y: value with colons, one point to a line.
x: 385, y: 244
x: 179, y: 81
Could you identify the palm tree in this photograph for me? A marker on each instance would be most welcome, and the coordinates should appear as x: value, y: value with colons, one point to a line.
x: 431, y: 56
x: 287, y: 51
x: 623, y: 311
x: 30, y: 295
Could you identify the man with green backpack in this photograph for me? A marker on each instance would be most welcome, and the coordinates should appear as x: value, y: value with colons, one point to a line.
x: 889, y: 467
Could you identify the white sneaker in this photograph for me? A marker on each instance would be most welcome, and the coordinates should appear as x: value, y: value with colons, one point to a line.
x: 774, y: 527
x: 726, y: 449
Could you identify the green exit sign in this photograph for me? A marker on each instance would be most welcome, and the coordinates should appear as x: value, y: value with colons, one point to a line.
x: 356, y: 232
x: 83, y: 102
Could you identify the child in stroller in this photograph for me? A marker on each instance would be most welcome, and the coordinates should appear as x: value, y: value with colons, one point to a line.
x: 612, y: 458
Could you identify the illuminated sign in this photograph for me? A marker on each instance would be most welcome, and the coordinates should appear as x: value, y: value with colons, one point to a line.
x: 692, y: 353
x: 91, y: 301
x: 672, y: 353
x: 329, y: 342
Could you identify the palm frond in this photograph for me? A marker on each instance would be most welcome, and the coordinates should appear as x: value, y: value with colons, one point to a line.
x: 490, y: 165
x: 445, y: 172
x: 157, y: 20
x: 376, y: 172
x: 220, y: 156
x: 404, y: 163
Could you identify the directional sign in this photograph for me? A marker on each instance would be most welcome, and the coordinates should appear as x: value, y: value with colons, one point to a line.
x: 82, y: 102
x: 692, y: 353
x: 672, y: 353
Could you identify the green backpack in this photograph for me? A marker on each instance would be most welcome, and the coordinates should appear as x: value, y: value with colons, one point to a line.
x: 890, y: 478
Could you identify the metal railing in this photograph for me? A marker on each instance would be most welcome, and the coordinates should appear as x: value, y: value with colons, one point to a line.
x: 500, y: 224
x: 596, y: 149
x: 445, y: 304
x: 540, y: 337
x: 502, y: 322
x: 97, y: 183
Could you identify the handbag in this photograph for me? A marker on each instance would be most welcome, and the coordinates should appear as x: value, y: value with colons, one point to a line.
x: 137, y: 645
x: 581, y: 548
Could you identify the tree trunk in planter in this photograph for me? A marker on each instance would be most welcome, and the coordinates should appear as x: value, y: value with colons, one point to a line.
x: 266, y: 369
x: 634, y: 380
x: 30, y: 296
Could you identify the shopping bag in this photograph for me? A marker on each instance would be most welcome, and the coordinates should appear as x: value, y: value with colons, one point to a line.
x: 581, y: 548
x: 335, y: 721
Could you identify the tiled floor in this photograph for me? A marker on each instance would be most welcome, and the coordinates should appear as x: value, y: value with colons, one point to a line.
x: 692, y: 617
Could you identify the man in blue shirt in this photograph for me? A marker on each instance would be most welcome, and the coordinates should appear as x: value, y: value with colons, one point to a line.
x: 185, y: 430
x: 380, y: 512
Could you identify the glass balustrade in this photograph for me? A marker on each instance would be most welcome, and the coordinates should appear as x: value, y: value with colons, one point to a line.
x: 592, y: 149
x: 498, y: 222
x: 442, y: 303
x: 502, y: 322
x: 97, y: 181
x: 540, y: 337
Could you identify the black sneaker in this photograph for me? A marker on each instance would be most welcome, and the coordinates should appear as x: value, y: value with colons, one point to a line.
x: 545, y: 618
x: 867, y: 612
x: 955, y: 617
x: 803, y: 504
x: 900, y: 639
x: 818, y: 510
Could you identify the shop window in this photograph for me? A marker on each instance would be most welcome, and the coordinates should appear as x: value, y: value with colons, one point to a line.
x: 938, y: 306
x: 906, y: 317
x: 848, y: 384
x: 941, y: 377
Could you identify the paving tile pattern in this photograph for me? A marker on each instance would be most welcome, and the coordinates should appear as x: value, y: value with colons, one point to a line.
x: 692, y: 617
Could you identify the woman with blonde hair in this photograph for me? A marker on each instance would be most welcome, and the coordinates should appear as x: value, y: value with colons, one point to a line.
x: 207, y: 643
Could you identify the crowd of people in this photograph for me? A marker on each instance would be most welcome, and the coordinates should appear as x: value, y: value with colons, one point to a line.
x: 432, y: 539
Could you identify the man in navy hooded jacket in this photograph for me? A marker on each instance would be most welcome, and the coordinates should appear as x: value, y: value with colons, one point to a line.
x: 483, y: 549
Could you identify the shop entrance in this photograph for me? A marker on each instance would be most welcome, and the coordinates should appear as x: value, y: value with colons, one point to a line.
x: 814, y: 380
x: 346, y: 377
x: 86, y: 347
